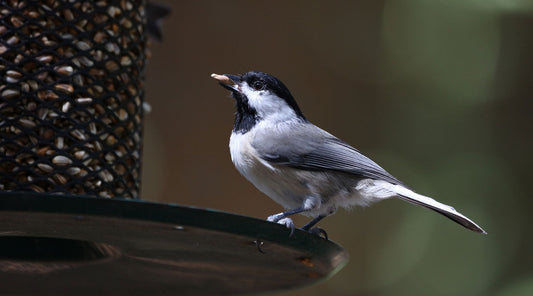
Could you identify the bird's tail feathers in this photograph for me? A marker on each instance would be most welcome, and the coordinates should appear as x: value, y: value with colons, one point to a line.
x: 428, y: 202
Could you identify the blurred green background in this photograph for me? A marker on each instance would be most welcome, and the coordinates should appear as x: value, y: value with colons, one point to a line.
x: 437, y: 92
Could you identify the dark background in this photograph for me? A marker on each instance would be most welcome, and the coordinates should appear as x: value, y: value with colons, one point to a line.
x: 437, y: 92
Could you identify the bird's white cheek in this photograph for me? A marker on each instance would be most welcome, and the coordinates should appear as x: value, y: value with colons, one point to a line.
x: 271, y: 108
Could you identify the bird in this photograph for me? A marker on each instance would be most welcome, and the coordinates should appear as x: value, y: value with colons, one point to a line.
x: 302, y: 167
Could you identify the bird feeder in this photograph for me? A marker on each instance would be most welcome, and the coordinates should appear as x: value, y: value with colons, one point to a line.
x: 71, y: 96
x: 71, y: 220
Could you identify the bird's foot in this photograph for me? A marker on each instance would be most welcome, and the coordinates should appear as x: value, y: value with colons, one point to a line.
x: 318, y: 231
x: 288, y: 223
x: 276, y: 217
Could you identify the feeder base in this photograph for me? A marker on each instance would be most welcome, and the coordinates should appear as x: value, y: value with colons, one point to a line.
x: 86, y: 246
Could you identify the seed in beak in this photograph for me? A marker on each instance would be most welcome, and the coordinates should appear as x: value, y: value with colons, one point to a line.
x: 222, y: 78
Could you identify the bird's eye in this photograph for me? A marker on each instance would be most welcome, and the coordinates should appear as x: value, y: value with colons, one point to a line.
x: 258, y: 85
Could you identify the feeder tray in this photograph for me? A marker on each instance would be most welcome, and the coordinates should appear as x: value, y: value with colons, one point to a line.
x: 86, y: 246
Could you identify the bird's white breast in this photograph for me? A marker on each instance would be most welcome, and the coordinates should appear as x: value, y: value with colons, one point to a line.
x: 246, y: 159
x: 243, y: 154
x: 280, y: 185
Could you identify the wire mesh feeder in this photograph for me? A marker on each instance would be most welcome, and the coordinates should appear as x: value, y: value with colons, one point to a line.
x: 71, y: 96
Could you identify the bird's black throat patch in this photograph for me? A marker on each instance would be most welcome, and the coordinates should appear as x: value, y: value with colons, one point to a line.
x: 245, y: 117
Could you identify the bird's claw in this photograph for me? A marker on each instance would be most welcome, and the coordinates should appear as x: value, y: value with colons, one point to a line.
x: 275, y: 218
x: 288, y: 223
x: 319, y: 231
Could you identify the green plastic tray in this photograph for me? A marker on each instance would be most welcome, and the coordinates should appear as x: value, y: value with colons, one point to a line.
x: 58, y: 244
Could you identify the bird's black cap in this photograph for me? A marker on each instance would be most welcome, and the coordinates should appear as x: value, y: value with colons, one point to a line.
x: 246, y: 116
x: 259, y: 80
x: 274, y: 85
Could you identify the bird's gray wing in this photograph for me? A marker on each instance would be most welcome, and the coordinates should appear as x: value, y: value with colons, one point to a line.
x: 307, y: 147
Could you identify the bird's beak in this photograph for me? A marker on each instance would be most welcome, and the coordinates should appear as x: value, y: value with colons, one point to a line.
x: 228, y: 81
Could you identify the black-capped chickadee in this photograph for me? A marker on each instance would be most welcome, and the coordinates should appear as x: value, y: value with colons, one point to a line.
x: 302, y: 167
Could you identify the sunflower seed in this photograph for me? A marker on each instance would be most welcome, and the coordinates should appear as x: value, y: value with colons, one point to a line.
x: 12, y: 40
x: 84, y: 100
x: 64, y: 88
x: 61, y: 160
x: 59, y: 142
x: 80, y: 154
x: 13, y: 74
x: 65, y: 107
x: 45, y: 168
x: 64, y: 70
x: 27, y: 123
x: 78, y: 135
x: 73, y: 171
x: 36, y: 188
x: 60, y: 179
x: 45, y: 58
x: 10, y: 94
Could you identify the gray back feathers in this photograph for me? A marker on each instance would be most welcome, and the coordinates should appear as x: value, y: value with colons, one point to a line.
x: 302, y: 145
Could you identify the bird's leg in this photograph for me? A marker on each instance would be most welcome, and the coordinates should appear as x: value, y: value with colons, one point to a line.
x: 281, y: 218
x: 313, y: 222
x: 316, y: 230
x: 309, y: 203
